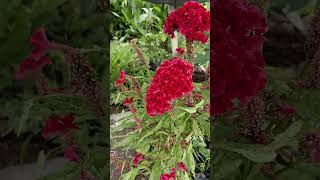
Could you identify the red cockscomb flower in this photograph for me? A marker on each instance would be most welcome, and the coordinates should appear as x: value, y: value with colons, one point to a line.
x: 40, y: 44
x: 121, y: 79
x: 70, y: 153
x: 137, y: 158
x: 29, y: 66
x: 182, y: 167
x: 191, y: 20
x: 180, y: 51
x: 316, y: 154
x: 58, y: 126
x: 237, y: 71
x: 129, y: 102
x: 170, y: 176
x: 172, y: 80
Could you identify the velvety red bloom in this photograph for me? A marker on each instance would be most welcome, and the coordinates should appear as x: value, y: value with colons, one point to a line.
x: 237, y: 70
x: 40, y: 43
x: 316, y: 154
x: 287, y: 110
x: 170, y: 176
x: 182, y: 167
x: 129, y: 102
x: 180, y: 50
x: 29, y: 66
x: 191, y: 20
x: 70, y: 153
x: 172, y: 80
x: 137, y: 158
x: 121, y: 79
x: 58, y: 126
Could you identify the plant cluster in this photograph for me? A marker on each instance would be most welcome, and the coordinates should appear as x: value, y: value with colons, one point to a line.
x: 69, y: 130
x: 169, y: 121
x: 266, y: 126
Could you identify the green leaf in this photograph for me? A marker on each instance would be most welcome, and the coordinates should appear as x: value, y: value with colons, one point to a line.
x: 229, y: 165
x: 192, y: 110
x: 155, y: 172
x: 189, y: 160
x: 287, y: 136
x: 25, y: 115
x: 159, y: 125
x: 195, y: 128
x: 130, y: 175
x: 256, y: 153
x: 39, y: 8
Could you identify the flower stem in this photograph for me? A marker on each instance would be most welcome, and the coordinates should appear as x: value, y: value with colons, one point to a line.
x: 190, y: 52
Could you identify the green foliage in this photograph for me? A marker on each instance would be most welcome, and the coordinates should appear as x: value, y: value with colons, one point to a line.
x: 136, y: 18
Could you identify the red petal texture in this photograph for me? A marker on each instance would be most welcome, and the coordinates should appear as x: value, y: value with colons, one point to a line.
x: 191, y: 20
x: 58, y: 126
x: 237, y: 70
x: 182, y: 167
x: 180, y: 50
x: 70, y: 154
x: 316, y: 154
x: 137, y: 158
x: 31, y: 65
x: 172, y: 80
x: 121, y: 79
x: 40, y: 43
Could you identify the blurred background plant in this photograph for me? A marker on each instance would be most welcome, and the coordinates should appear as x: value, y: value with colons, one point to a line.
x: 79, y: 24
x: 276, y: 136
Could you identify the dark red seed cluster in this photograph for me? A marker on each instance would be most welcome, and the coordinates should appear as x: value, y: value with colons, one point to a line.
x: 237, y: 69
x: 191, y: 20
x: 172, y: 80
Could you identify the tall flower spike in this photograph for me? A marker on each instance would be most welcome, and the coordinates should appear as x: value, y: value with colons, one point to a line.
x: 83, y: 79
x: 172, y: 80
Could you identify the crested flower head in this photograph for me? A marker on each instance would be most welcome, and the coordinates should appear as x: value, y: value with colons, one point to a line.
x: 191, y: 20
x: 172, y: 80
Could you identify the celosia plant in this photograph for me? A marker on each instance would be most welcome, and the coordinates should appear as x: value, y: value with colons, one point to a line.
x: 169, y: 128
x: 82, y: 84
